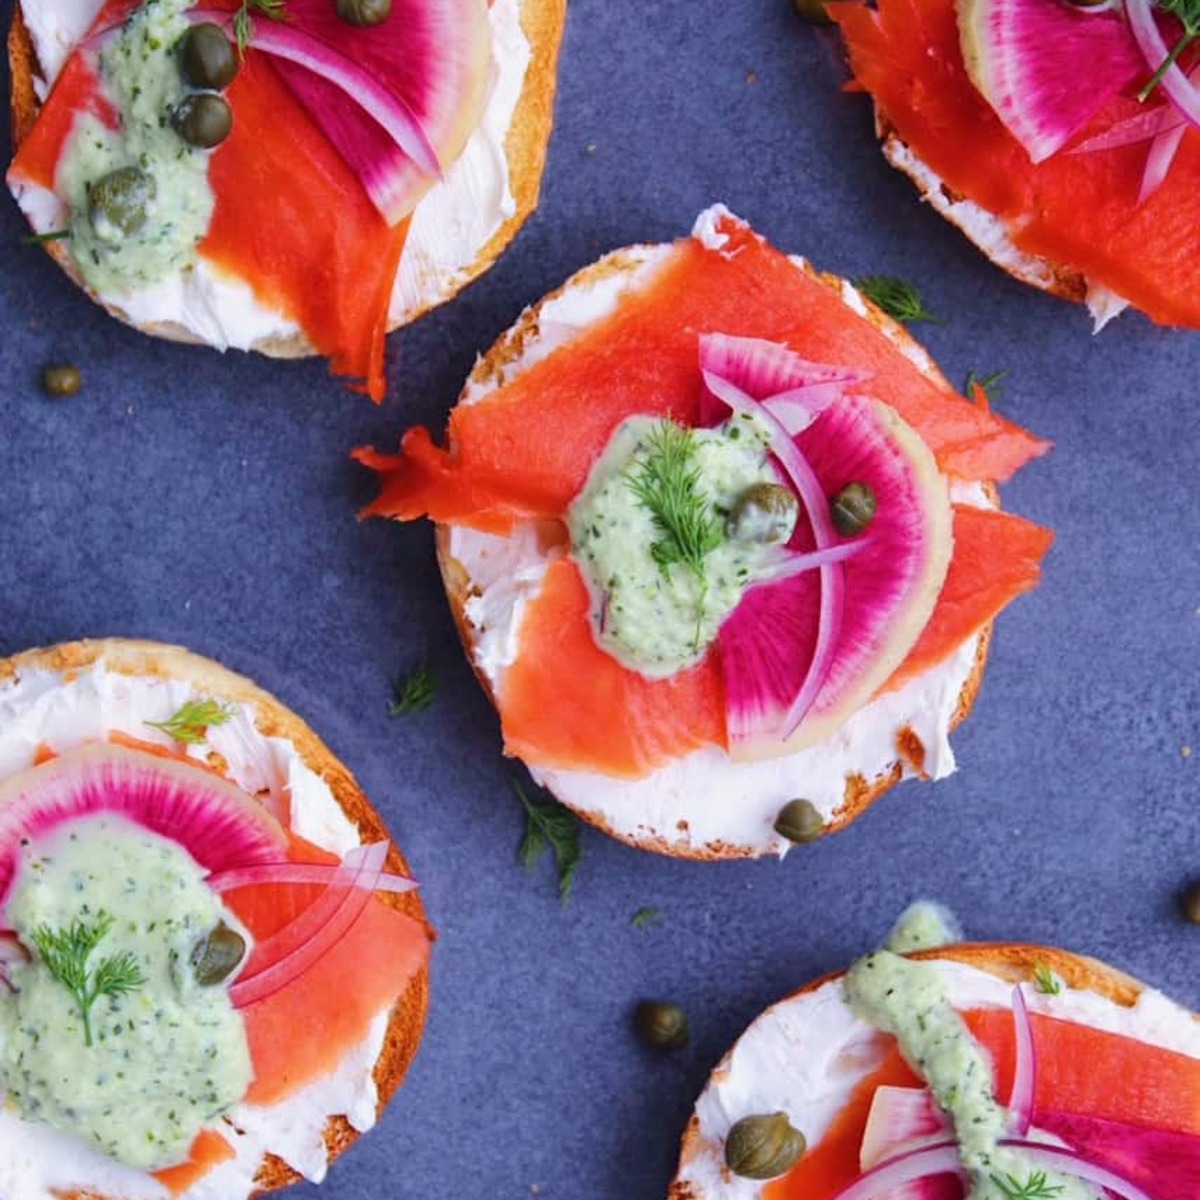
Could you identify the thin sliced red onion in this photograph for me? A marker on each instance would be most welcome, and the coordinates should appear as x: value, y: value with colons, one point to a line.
x: 1158, y: 162
x: 1181, y: 91
x: 940, y: 1158
x: 797, y: 408
x: 1139, y: 128
x: 303, y: 942
x: 1020, y: 1103
x: 796, y: 564
x: 293, y: 872
x: 11, y: 950
x: 812, y: 496
x: 1057, y: 1158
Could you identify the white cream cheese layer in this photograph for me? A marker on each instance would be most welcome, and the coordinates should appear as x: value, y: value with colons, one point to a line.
x: 45, y: 708
x: 805, y: 1055
x: 451, y: 225
x: 704, y: 798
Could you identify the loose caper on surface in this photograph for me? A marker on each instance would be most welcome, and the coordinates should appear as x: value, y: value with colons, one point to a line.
x: 661, y: 1025
x: 1189, y: 902
x: 763, y: 1146
x: 364, y: 12
x: 207, y: 58
x: 799, y: 821
x: 217, y: 954
x: 203, y: 119
x: 62, y: 379
x: 853, y: 509
x: 120, y: 202
x: 765, y: 513
x: 812, y: 11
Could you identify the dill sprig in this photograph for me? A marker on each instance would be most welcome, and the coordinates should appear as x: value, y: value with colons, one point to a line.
x: 1046, y: 981
x: 413, y: 692
x: 1036, y: 1187
x: 190, y: 724
x: 550, y: 826
x: 898, y: 298
x: 989, y: 383
x: 1188, y: 12
x: 646, y: 916
x: 243, y: 25
x: 40, y: 239
x: 65, y: 953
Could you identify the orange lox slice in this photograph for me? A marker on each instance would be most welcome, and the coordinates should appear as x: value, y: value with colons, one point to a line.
x: 208, y: 1152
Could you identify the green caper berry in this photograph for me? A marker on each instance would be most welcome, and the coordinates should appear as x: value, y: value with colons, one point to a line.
x: 763, y: 1147
x: 364, y: 12
x: 120, y: 202
x: 799, y: 821
x: 217, y: 954
x: 813, y: 11
x: 853, y: 509
x: 765, y: 513
x: 207, y: 58
x: 61, y: 380
x: 203, y: 120
x: 1189, y: 902
x: 661, y: 1025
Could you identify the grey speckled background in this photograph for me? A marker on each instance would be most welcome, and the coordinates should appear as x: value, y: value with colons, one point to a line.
x: 210, y: 501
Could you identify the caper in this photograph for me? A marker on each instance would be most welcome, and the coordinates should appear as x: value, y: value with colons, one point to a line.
x: 206, y: 57
x: 364, y: 12
x: 203, y: 119
x: 215, y: 955
x: 1189, y: 902
x: 62, y: 379
x: 765, y: 513
x: 853, y: 509
x: 120, y: 202
x: 799, y: 821
x: 661, y: 1025
x: 763, y: 1147
x: 812, y: 11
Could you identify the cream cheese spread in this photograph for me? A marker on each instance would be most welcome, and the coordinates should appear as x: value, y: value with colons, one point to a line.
x: 805, y: 1055
x: 506, y: 573
x: 41, y: 707
x: 452, y: 224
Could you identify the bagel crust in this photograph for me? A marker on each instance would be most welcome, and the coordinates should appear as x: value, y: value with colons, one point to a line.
x: 525, y: 146
x: 503, y: 362
x: 155, y: 660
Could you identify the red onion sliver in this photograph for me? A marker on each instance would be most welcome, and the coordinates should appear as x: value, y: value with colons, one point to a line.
x: 796, y: 564
x: 812, y: 496
x: 1139, y: 128
x: 1020, y: 1103
x: 11, y: 950
x: 1158, y: 162
x: 797, y: 408
x: 940, y: 1158
x: 293, y: 872
x: 1056, y: 1158
x: 1181, y: 91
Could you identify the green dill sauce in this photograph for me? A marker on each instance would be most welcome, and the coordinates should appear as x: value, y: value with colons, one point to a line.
x: 168, y: 1056
x: 908, y: 999
x: 659, y: 620
x: 923, y: 925
x: 140, y: 76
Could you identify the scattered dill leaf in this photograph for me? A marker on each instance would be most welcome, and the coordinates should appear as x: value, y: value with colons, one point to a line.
x: 190, y: 724
x: 52, y: 235
x: 899, y: 299
x: 65, y: 953
x: 243, y: 25
x: 1046, y: 981
x: 990, y: 383
x: 1036, y: 1187
x: 550, y: 826
x: 647, y: 916
x: 413, y: 692
x: 1188, y: 12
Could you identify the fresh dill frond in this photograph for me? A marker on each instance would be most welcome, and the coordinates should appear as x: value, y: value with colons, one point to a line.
x: 190, y: 724
x: 898, y: 298
x: 1188, y: 13
x: 1036, y: 1187
x: 646, y: 916
x: 413, y: 692
x: 989, y: 383
x: 65, y: 953
x: 39, y: 239
x: 1046, y: 981
x: 243, y: 25
x: 550, y: 826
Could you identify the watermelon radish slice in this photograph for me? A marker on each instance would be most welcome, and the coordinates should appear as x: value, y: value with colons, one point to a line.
x: 1027, y: 59
x: 822, y: 643
x: 216, y: 822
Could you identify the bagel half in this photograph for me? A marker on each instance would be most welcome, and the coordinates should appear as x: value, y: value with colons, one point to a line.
x: 702, y: 1174
x: 525, y: 146
x: 147, y: 660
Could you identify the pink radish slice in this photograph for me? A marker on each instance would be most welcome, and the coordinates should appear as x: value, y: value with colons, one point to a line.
x: 1020, y: 1103
x: 296, y: 872
x: 797, y: 409
x: 1014, y: 51
x: 217, y: 823
x: 286, y: 955
x: 1179, y: 89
